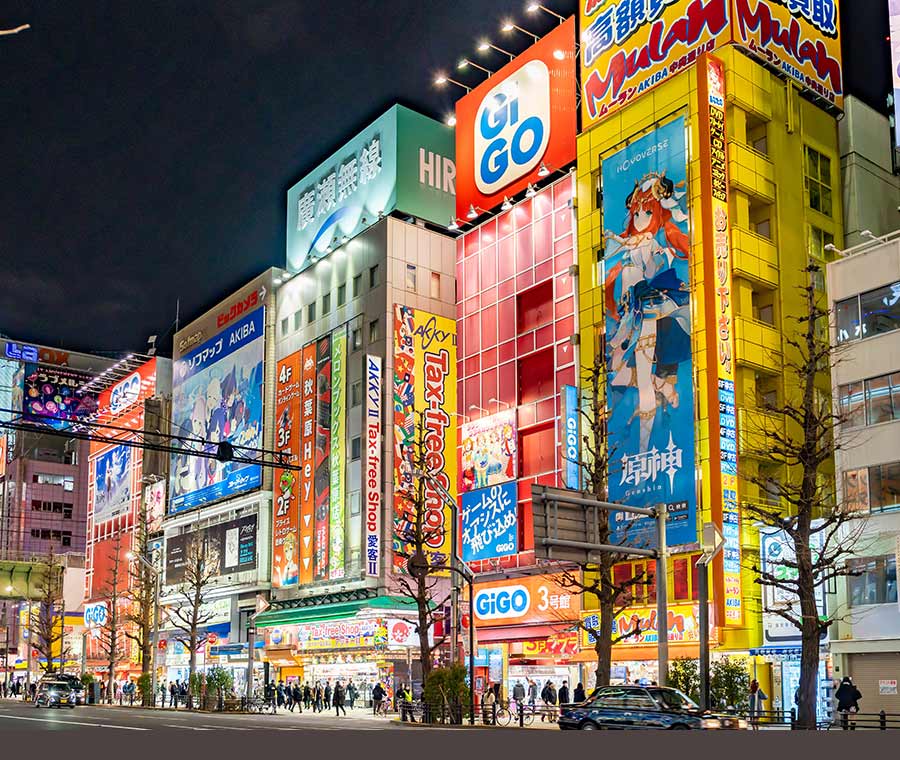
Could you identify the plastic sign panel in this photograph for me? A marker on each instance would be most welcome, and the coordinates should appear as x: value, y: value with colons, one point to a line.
x: 155, y: 505
x: 525, y: 600
x: 642, y: 623
x: 112, y: 483
x: 571, y: 440
x: 308, y: 462
x: 53, y: 396
x: 286, y: 517
x: 648, y: 335
x: 894, y: 11
x: 323, y: 458
x: 372, y: 478
x: 519, y: 118
x: 490, y: 524
x: 424, y: 388
x: 488, y: 451
x: 402, y: 161
x: 228, y: 546
x: 217, y: 396
x: 95, y: 615
x: 338, y: 451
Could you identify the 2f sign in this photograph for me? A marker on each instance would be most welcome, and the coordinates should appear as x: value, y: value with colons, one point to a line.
x: 512, y: 128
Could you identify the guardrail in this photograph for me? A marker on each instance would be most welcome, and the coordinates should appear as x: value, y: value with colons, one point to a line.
x: 880, y: 721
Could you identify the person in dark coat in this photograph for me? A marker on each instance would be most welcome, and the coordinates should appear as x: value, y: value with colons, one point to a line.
x: 564, y: 693
x: 579, y: 696
x: 327, y: 694
x: 279, y: 691
x: 847, y: 696
x: 318, y: 703
x: 337, y: 699
x: 307, y: 696
x: 296, y: 697
x: 378, y: 695
x: 352, y: 693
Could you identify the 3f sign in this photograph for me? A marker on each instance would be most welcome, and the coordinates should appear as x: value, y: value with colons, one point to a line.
x: 512, y: 128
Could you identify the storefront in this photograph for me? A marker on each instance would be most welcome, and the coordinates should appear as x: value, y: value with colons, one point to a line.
x: 784, y: 664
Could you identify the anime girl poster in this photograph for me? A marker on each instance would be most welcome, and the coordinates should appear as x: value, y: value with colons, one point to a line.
x: 648, y: 333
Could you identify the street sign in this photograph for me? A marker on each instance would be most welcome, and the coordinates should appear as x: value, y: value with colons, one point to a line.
x: 712, y: 544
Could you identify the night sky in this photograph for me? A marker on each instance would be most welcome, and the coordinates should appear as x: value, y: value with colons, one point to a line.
x: 147, y: 147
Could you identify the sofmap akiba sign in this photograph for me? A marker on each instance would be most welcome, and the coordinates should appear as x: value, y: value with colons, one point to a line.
x: 402, y: 161
x: 521, y: 117
x: 627, y: 47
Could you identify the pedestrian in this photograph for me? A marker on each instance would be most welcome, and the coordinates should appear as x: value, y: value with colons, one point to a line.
x: 579, y: 696
x: 488, y: 700
x: 756, y: 698
x: 183, y: 693
x: 289, y: 697
x: 848, y: 696
x: 297, y: 697
x: 279, y: 692
x: 337, y: 699
x: 327, y: 694
x: 270, y: 695
x: 548, y: 695
x: 320, y: 698
x: 173, y: 693
x: 519, y: 694
x: 564, y: 693
x: 378, y: 695
x: 352, y: 693
x: 307, y: 696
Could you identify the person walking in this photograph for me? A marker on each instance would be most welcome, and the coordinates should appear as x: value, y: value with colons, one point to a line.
x: 279, y: 692
x: 532, y: 692
x: 352, y: 692
x: 378, y: 695
x: 756, y: 698
x: 318, y: 705
x: 183, y: 693
x: 297, y: 697
x: 564, y: 693
x: 578, y: 695
x: 307, y: 696
x: 327, y: 694
x: 488, y: 700
x: 337, y: 699
x: 519, y: 694
x: 173, y: 693
x: 289, y: 697
x: 848, y: 696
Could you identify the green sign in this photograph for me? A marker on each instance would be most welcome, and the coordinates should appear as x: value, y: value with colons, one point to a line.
x: 403, y: 161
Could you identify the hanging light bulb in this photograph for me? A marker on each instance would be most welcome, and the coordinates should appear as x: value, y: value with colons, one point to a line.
x: 472, y: 212
x: 530, y: 192
x: 543, y: 171
x: 453, y: 225
x: 507, y: 204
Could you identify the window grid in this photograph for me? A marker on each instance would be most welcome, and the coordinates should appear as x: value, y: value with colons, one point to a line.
x: 818, y: 181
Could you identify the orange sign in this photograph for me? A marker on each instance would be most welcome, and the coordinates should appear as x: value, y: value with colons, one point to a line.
x: 529, y: 599
x: 558, y: 645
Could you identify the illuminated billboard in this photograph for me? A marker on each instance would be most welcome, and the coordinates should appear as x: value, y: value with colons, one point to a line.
x: 307, y: 461
x: 649, y: 366
x: 521, y: 118
x: 228, y: 547
x: 490, y: 524
x: 338, y: 452
x: 322, y: 514
x: 488, y: 451
x: 285, y: 518
x: 372, y: 479
x: 53, y: 396
x: 894, y: 11
x: 112, y: 483
x: 217, y: 396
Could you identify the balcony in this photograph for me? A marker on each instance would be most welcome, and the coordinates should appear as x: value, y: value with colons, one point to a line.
x: 755, y: 257
x: 757, y: 345
x: 751, y: 172
x: 754, y: 432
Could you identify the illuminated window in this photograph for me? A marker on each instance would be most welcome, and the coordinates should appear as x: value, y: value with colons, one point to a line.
x: 435, y: 285
x: 356, y: 339
x: 816, y: 240
x: 684, y: 578
x: 874, y: 312
x: 818, y: 181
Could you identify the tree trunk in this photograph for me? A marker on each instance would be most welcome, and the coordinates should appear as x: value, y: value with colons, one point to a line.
x: 809, y: 631
x: 603, y: 645
x: 424, y: 646
x: 192, y: 668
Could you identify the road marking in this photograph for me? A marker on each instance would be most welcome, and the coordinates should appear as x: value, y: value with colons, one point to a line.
x: 73, y: 723
x: 228, y: 728
x: 187, y: 728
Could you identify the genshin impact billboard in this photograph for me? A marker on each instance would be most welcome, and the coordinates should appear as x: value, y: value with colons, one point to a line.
x: 217, y: 396
x: 648, y: 334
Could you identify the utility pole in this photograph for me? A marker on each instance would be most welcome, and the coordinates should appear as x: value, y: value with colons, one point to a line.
x: 712, y: 545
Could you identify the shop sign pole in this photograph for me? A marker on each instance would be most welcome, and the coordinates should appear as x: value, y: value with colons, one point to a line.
x: 662, y: 611
x: 712, y: 545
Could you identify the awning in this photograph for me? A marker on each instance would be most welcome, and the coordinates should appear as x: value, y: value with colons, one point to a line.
x: 324, y: 612
x: 516, y: 633
x: 281, y: 656
x: 627, y: 654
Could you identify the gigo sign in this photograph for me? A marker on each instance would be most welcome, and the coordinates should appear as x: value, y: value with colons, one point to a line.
x: 529, y: 599
x: 503, y: 602
x: 516, y: 120
x: 125, y: 393
x: 95, y: 615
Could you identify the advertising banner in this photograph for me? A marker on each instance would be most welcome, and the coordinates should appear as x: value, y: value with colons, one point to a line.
x: 3, y: 449
x: 322, y: 516
x: 372, y: 477
x: 344, y: 634
x: 529, y: 599
x: 286, y: 517
x: 490, y: 524
x: 488, y: 451
x: 217, y: 396
x: 230, y: 546
x: 642, y: 624
x: 53, y: 396
x: 720, y: 329
x: 338, y: 451
x: 894, y: 11
x: 648, y: 335
x: 522, y: 117
x: 559, y: 645
x: 424, y: 384
x: 112, y: 483
x: 155, y: 505
x: 571, y: 441
x: 308, y: 461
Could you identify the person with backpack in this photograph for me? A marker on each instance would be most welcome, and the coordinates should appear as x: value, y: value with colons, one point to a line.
x: 378, y: 695
x: 756, y: 698
x: 848, y: 696
x: 352, y: 692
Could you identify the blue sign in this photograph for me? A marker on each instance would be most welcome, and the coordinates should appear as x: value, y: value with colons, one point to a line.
x: 112, y: 483
x: 217, y: 396
x: 22, y: 352
x: 648, y: 335
x: 490, y: 522
x: 571, y: 445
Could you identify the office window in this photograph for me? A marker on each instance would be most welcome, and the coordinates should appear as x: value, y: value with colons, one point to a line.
x: 284, y: 327
x: 355, y: 339
x: 357, y: 285
x: 311, y: 313
x: 851, y: 402
x: 817, y: 181
x: 816, y: 240
x: 342, y: 294
x: 878, y: 400
x: 855, y: 490
x: 67, y: 538
x: 884, y: 486
x: 67, y: 512
x: 35, y: 533
x: 355, y: 446
x: 298, y: 319
x: 876, y: 582
x: 374, y: 331
x: 880, y: 310
x: 410, y: 277
x: 847, y: 319
x: 373, y: 276
x: 68, y: 483
x: 45, y: 534
x: 684, y: 581
x: 326, y: 304
x: 355, y: 393
x: 354, y: 503
x: 435, y: 285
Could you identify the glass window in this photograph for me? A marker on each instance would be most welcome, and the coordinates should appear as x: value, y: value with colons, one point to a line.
x: 410, y: 277
x: 895, y: 394
x: 356, y: 339
x: 851, y: 401
x: 816, y: 240
x: 354, y: 503
x: 298, y: 319
x: 818, y: 182
x: 435, y: 285
x: 856, y: 490
x: 612, y: 697
x: 640, y: 700
x: 357, y: 285
x: 878, y: 400
x: 284, y: 326
x: 373, y: 276
x: 326, y: 304
x: 847, y: 319
x: 355, y: 449
x: 880, y: 309
x: 67, y: 539
x: 623, y: 573
x: 356, y: 393
x: 884, y: 486
x: 69, y: 481
x: 311, y: 313
x: 680, y: 579
x: 342, y: 294
x: 374, y: 331
x: 876, y: 582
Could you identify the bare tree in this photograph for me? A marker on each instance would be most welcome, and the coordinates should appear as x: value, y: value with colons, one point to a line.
x: 424, y: 585
x: 597, y: 579
x: 142, y: 595
x: 799, y: 439
x: 189, y: 613
x: 47, y: 623
x: 109, y: 636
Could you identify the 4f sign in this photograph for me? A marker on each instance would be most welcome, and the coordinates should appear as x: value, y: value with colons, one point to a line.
x: 512, y: 128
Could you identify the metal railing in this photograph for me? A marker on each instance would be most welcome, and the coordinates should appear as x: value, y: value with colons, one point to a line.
x: 880, y: 721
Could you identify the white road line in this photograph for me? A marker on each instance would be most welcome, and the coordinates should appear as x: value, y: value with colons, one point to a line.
x: 228, y: 728
x: 187, y: 728
x: 73, y: 723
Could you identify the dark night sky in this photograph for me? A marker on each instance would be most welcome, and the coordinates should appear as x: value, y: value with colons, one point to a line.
x: 147, y: 147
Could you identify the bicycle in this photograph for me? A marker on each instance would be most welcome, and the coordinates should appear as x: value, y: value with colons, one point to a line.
x: 508, y: 714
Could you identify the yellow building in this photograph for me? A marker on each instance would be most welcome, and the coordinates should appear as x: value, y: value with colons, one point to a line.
x: 784, y: 208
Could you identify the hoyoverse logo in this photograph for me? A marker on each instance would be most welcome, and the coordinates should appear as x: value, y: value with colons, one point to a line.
x: 512, y: 128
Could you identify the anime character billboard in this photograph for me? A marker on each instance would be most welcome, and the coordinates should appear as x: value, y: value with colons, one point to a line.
x: 112, y: 483
x: 648, y: 334
x: 488, y: 454
x: 217, y: 396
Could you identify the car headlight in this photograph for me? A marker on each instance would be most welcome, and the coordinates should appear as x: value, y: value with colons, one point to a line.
x: 712, y: 723
x: 742, y: 723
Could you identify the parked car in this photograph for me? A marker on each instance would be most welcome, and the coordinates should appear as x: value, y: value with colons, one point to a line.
x: 75, y: 685
x: 54, y: 694
x: 635, y: 707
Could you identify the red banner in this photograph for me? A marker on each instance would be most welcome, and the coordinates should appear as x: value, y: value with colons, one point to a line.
x: 307, y: 460
x: 322, y: 455
x: 285, y: 518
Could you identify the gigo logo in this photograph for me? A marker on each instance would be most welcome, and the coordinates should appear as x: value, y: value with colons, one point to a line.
x: 503, y: 602
x: 124, y: 394
x: 512, y: 128
x: 95, y: 615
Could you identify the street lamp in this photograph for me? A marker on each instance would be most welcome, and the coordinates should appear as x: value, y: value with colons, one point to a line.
x: 158, y: 575
x: 486, y: 45
x: 535, y: 7
x: 440, y: 80
x: 509, y: 26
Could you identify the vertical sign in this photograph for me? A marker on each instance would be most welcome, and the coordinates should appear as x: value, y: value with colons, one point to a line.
x: 338, y: 452
x: 308, y: 461
x: 894, y: 11
x: 720, y: 330
x: 649, y: 366
x: 373, y: 485
x: 285, y: 519
x: 323, y: 457
x: 424, y: 393
x: 571, y: 449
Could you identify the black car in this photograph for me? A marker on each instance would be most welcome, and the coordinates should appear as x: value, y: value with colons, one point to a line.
x: 635, y: 707
x: 75, y: 685
x: 54, y: 694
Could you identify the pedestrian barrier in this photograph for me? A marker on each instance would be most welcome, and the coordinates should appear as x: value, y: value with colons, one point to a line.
x: 880, y: 721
